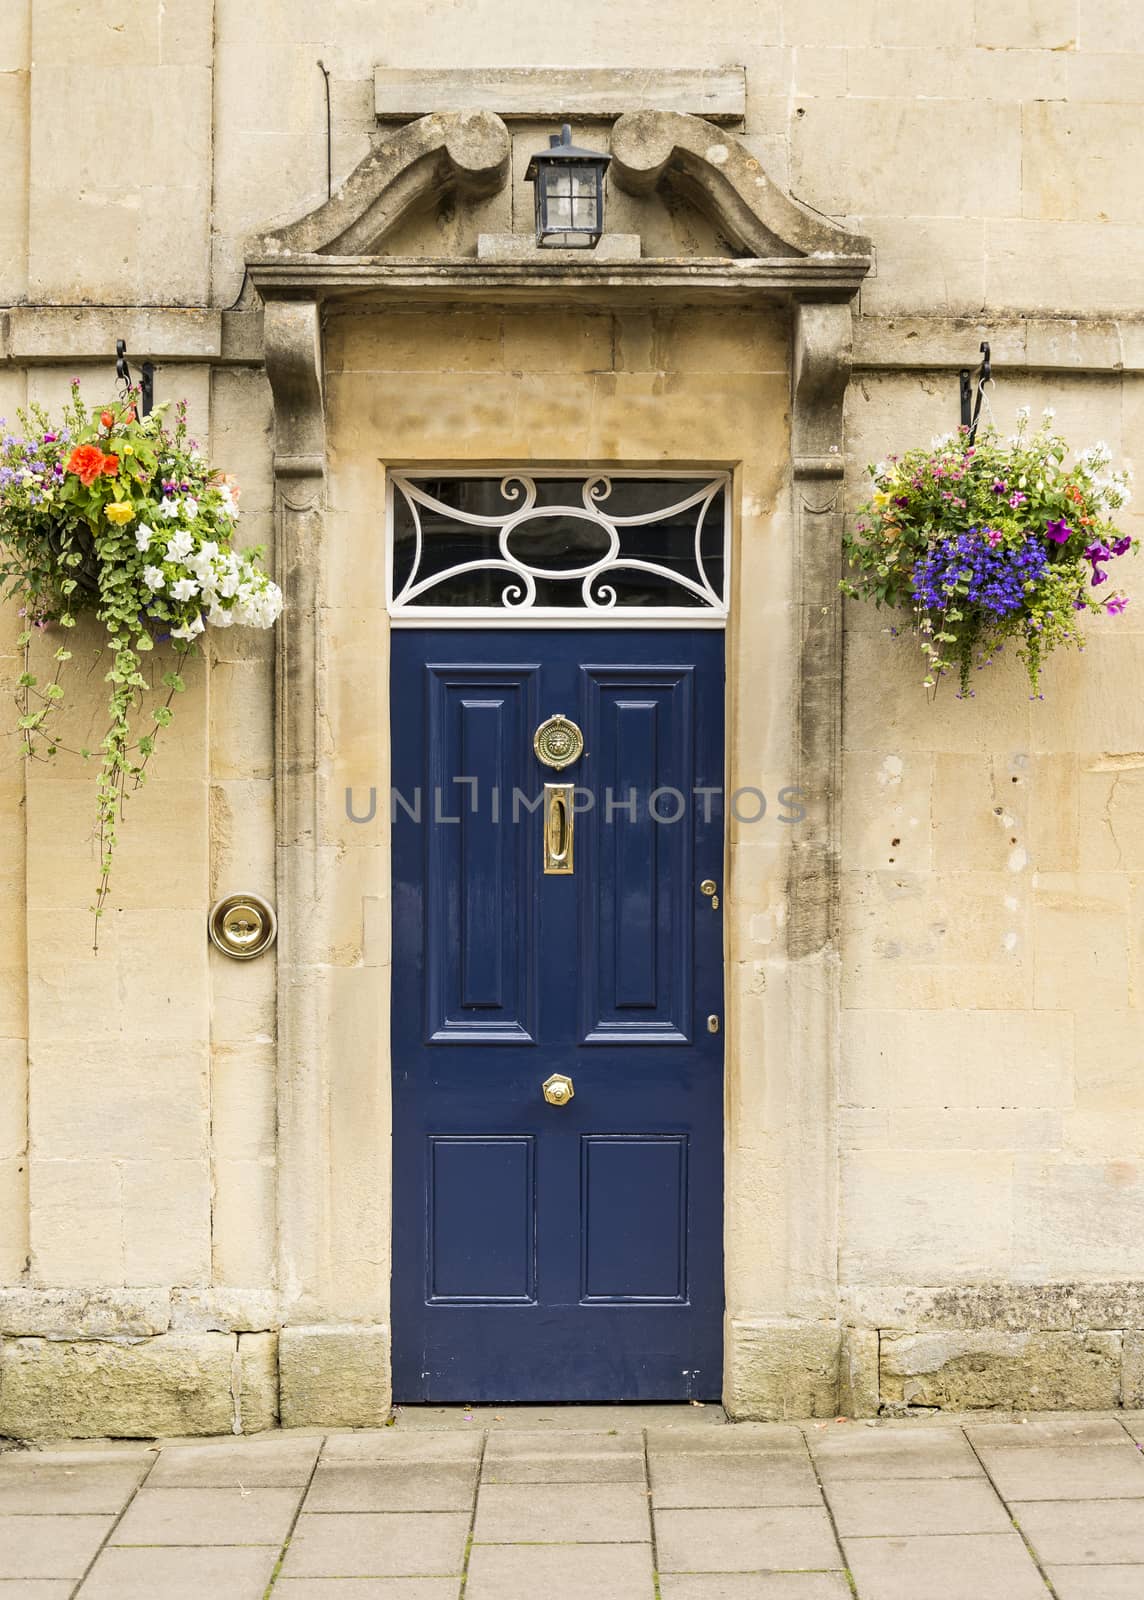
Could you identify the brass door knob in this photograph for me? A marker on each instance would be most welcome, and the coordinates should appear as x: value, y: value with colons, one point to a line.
x: 558, y: 1089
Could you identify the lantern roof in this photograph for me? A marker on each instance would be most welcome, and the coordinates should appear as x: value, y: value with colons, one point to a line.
x: 561, y: 149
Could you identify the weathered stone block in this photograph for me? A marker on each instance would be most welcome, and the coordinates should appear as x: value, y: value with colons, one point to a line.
x: 223, y: 1310
x: 858, y: 1391
x: 335, y: 1377
x: 174, y: 1384
x: 782, y: 1369
x: 257, y: 1382
x: 1132, y: 1370
x: 84, y: 1313
x: 965, y: 1371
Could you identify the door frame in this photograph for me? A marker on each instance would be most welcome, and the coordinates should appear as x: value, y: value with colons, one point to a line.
x: 783, y: 1320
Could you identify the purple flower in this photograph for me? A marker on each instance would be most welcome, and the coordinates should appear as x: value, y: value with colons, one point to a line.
x: 1017, y: 499
x: 993, y: 536
x: 973, y: 570
x: 1119, y: 546
x: 1058, y: 531
x: 999, y: 487
x: 902, y: 500
x: 1098, y: 552
x: 1099, y: 576
x: 50, y: 438
x: 1116, y: 605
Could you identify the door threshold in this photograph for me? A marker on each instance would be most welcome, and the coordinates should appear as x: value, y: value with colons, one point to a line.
x: 613, y: 1418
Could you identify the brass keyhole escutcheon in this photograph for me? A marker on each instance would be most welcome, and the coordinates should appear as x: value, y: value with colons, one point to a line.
x: 710, y: 888
x: 558, y: 742
x: 558, y: 1089
x: 242, y: 926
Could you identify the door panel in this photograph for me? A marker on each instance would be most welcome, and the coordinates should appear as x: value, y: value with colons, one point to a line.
x: 557, y: 1252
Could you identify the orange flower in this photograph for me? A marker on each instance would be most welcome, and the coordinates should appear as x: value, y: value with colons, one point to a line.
x: 1073, y: 493
x: 86, y: 461
x: 110, y: 464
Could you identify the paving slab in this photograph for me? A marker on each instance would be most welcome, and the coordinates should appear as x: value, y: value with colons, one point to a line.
x: 49, y: 1547
x: 560, y: 1572
x: 517, y: 1513
x: 710, y: 1479
x: 180, y: 1574
x: 600, y: 1419
x: 929, y: 1506
x: 1097, y: 1583
x: 366, y: 1588
x: 789, y: 1538
x: 1035, y: 1432
x: 387, y: 1544
x: 731, y: 1439
x: 36, y: 1588
x: 1067, y: 1532
x: 973, y: 1566
x: 1133, y: 1422
x: 564, y: 1456
x: 901, y: 1452
x: 390, y: 1444
x: 41, y: 1488
x: 394, y: 1486
x: 756, y: 1586
x: 1077, y: 1472
x: 267, y: 1462
x: 208, y: 1516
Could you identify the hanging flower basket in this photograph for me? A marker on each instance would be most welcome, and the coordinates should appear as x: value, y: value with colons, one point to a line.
x: 119, y: 516
x: 989, y: 541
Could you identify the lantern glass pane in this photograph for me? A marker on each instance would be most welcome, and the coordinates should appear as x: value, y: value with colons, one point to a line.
x: 584, y: 214
x: 584, y: 181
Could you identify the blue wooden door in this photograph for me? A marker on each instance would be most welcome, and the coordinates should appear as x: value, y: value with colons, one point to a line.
x: 557, y: 1252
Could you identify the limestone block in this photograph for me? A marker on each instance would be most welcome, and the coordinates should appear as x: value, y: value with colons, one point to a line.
x: 958, y: 1058
x: 223, y: 1310
x: 1011, y: 25
x: 776, y: 1370
x: 1052, y: 812
x: 1039, y: 1307
x: 14, y: 96
x: 1132, y: 1370
x: 242, y: 425
x: 886, y: 812
x: 1073, y: 165
x: 846, y: 157
x: 957, y: 72
x: 979, y: 815
x: 13, y: 1217
x: 1080, y: 937
x: 908, y: 1216
x: 1110, y: 800
x: 1012, y: 1371
x: 100, y: 1313
x: 705, y: 340
x: 334, y: 1376
x: 258, y: 1382
x: 522, y: 247
x: 822, y: 22
x: 102, y: 1100
x: 141, y: 224
x: 76, y: 1222
x: 925, y: 261
x: 1109, y: 1061
x: 1053, y: 267
x: 242, y: 719
x: 13, y: 1097
x: 858, y: 1394
x: 243, y: 1222
x: 244, y: 1104
x: 1109, y: 25
x: 179, y: 1383
x: 166, y: 1221
x: 1094, y: 75
x: 1070, y: 1211
x: 242, y: 850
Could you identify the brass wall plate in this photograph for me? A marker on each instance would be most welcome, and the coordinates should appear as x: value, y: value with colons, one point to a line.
x: 242, y: 926
x: 558, y: 742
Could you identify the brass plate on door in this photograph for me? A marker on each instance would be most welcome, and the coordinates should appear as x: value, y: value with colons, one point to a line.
x: 558, y: 742
x: 559, y: 818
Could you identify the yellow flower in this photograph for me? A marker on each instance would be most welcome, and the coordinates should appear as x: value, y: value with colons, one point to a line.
x: 120, y: 512
x: 881, y: 498
x: 128, y: 449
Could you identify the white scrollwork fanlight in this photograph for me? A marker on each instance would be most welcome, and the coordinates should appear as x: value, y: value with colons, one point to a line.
x: 559, y: 548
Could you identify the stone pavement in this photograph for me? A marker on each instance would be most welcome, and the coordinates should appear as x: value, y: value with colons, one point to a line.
x: 589, y: 1503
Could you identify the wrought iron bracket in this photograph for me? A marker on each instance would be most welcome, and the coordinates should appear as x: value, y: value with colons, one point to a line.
x: 971, y: 409
x: 146, y: 378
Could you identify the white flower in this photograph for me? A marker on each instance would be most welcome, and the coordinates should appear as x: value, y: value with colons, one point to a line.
x: 1023, y: 413
x: 227, y: 582
x: 180, y: 547
x: 184, y: 588
x: 169, y: 509
x: 143, y: 536
x: 195, y: 626
x: 220, y: 617
x: 258, y: 605
x: 153, y: 578
x: 190, y: 509
x: 228, y: 507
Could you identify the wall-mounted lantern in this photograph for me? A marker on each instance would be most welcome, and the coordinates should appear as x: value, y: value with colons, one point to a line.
x: 569, y: 185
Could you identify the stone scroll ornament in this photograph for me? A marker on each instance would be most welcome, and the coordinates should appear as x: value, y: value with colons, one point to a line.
x: 987, y: 542
x: 109, y: 515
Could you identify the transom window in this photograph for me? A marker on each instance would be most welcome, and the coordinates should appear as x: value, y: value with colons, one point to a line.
x: 577, y: 548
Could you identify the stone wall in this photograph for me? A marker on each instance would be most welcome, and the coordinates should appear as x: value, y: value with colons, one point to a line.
x: 988, y: 1114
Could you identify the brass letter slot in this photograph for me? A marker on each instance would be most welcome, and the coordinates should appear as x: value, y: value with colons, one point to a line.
x: 558, y: 819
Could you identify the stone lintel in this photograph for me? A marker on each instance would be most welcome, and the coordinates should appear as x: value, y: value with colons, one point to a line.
x: 522, y: 247
x: 718, y: 94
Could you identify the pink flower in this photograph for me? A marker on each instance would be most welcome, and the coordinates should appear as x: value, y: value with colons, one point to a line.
x: 1116, y: 605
